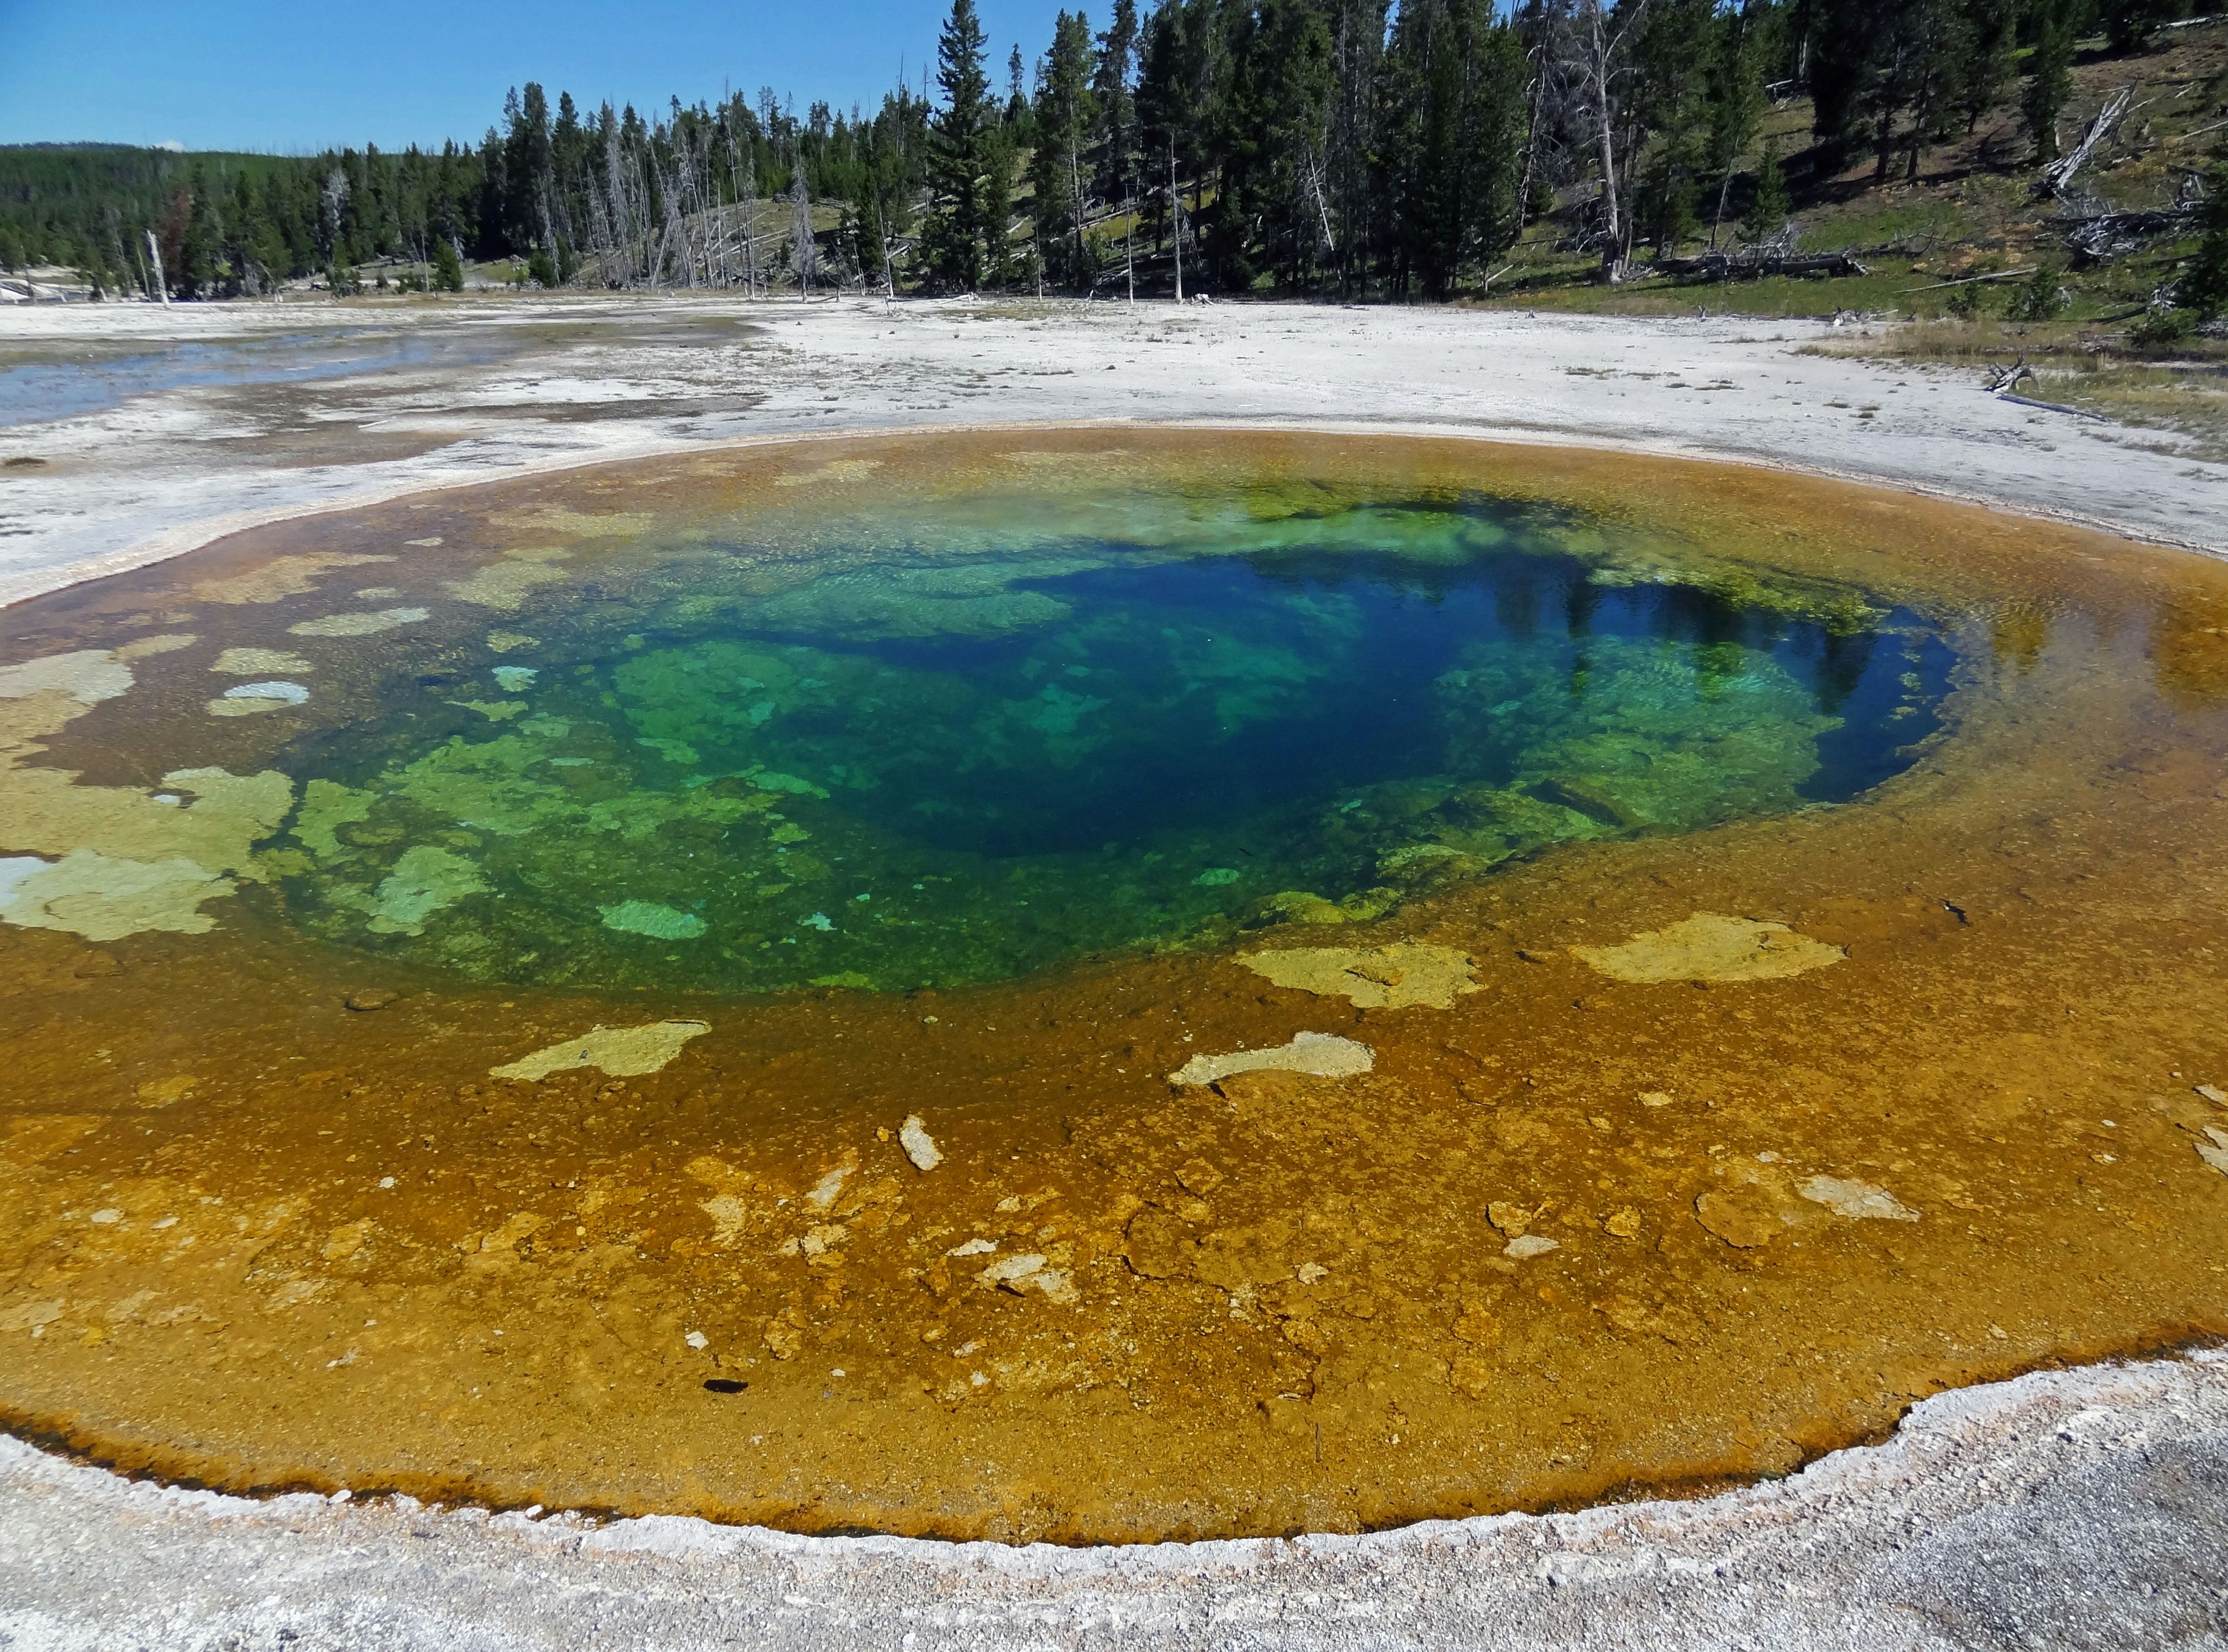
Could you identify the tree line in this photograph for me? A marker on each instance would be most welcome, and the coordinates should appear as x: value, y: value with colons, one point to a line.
x: 1306, y: 146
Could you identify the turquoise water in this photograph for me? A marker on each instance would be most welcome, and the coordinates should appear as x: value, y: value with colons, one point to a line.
x: 918, y: 771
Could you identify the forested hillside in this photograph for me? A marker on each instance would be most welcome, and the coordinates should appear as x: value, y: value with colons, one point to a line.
x: 1331, y: 147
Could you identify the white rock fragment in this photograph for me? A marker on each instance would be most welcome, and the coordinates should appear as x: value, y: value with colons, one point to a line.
x: 1322, y: 1055
x: 974, y: 1247
x: 1859, y: 1201
x: 1021, y: 1274
x: 2217, y: 1097
x: 824, y: 1190
x: 698, y: 1340
x: 920, y: 1146
x: 1527, y: 1246
x: 2215, y: 1154
x: 729, y: 1216
x: 244, y: 699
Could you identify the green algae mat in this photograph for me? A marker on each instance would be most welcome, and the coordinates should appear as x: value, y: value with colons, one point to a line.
x: 903, y: 983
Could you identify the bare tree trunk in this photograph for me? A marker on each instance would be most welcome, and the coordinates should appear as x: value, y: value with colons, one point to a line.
x: 1598, y: 72
x: 153, y: 257
x: 1075, y: 194
x: 1603, y: 47
x: 801, y: 201
x: 1175, y: 217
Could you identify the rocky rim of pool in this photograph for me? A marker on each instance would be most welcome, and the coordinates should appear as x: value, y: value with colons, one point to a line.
x: 1101, y: 985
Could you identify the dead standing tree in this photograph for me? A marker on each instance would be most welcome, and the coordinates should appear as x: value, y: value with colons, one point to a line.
x: 800, y: 206
x: 1605, y: 38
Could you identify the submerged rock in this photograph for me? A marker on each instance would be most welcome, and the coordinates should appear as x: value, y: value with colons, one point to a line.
x: 1322, y: 1055
x: 1711, y: 947
x: 1382, y: 978
x: 88, y: 676
x: 363, y: 624
x: 281, y: 576
x: 104, y: 897
x: 245, y: 699
x: 652, y: 918
x: 622, y: 1051
x: 425, y: 881
x: 254, y: 662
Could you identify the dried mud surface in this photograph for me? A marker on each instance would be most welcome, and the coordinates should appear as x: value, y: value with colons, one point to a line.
x: 254, y: 1237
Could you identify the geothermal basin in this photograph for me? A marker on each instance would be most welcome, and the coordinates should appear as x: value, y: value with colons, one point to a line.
x: 1102, y: 985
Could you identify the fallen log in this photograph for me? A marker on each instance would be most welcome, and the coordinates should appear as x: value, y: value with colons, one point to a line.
x: 1723, y: 267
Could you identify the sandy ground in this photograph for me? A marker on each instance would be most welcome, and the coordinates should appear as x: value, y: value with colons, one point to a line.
x: 481, y: 389
x: 2081, y: 1509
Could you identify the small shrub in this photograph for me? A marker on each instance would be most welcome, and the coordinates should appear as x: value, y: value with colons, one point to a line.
x: 1970, y: 302
x: 2044, y: 295
x: 2163, y: 328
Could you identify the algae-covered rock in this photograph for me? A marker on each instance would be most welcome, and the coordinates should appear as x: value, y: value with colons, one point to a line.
x: 426, y: 879
x: 622, y: 1051
x: 146, y: 648
x: 1322, y: 1055
x: 649, y: 917
x: 1299, y: 907
x: 280, y: 578
x: 88, y: 676
x: 1380, y: 977
x: 254, y: 662
x: 326, y: 806
x: 209, y: 817
x: 883, y: 602
x: 504, y: 585
x: 104, y: 897
x: 1710, y: 946
x: 362, y: 624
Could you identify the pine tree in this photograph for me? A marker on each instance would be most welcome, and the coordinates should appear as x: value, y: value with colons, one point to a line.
x: 1987, y: 31
x: 2050, y: 74
x: 1064, y: 120
x: 448, y: 267
x: 2203, y: 285
x: 960, y: 137
x: 1767, y: 210
x: 2130, y: 24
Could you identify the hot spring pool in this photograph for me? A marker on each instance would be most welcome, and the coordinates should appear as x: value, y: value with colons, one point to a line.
x: 767, y: 983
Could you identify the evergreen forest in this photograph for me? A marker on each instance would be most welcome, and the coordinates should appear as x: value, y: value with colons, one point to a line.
x: 1347, y: 147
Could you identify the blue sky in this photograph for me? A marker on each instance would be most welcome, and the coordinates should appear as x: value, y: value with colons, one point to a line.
x: 284, y: 76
